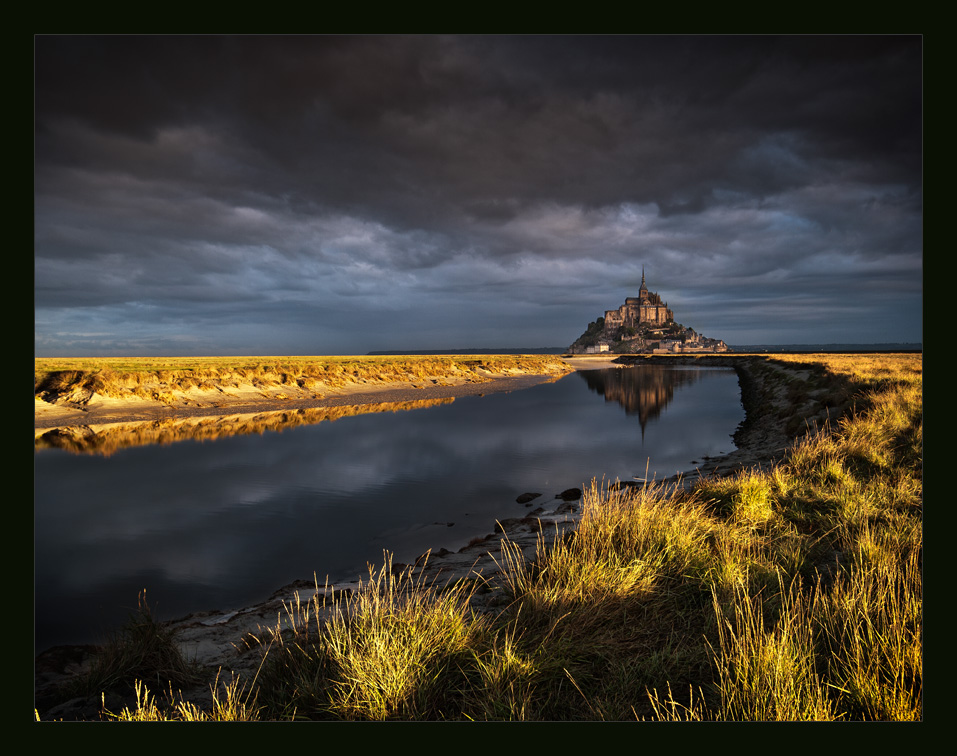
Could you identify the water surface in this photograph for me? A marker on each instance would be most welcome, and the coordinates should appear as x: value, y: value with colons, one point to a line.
x: 206, y: 524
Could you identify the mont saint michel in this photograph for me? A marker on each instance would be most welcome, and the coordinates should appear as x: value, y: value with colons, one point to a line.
x: 643, y: 325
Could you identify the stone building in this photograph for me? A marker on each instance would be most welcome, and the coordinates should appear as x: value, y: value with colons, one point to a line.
x: 645, y: 309
x: 643, y: 324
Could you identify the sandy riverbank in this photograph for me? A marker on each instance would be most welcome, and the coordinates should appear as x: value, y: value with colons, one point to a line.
x: 162, y: 403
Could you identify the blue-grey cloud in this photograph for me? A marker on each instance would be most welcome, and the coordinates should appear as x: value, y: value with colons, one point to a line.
x: 347, y: 193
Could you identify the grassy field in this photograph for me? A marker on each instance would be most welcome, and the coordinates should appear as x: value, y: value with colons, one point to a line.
x: 789, y: 593
x: 152, y: 377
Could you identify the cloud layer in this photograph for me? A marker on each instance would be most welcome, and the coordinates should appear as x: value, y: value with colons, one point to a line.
x: 327, y: 194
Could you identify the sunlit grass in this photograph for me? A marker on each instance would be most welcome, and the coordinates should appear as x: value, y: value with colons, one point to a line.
x: 396, y: 649
x: 231, y: 702
x: 626, y: 542
x: 766, y: 662
x: 162, y: 379
x: 871, y: 624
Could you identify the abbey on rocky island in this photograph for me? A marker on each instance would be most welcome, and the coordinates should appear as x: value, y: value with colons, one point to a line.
x: 643, y: 325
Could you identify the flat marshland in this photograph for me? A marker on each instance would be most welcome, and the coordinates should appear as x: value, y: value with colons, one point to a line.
x: 147, y: 377
x: 87, y: 391
x: 787, y: 591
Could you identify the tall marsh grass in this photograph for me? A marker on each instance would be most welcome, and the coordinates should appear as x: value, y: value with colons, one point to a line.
x: 628, y: 543
x: 844, y: 628
x: 396, y: 649
x: 766, y: 662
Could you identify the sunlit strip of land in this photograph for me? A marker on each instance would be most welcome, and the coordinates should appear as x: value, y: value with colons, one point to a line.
x: 166, y: 378
x: 185, y: 368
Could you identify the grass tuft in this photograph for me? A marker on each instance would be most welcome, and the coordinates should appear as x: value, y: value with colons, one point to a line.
x: 766, y: 662
x: 231, y: 702
x: 394, y: 649
x: 142, y: 651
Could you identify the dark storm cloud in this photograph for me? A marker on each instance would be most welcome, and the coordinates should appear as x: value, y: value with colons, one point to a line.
x: 377, y: 185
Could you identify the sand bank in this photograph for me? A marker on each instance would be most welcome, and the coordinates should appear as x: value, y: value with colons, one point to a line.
x: 212, y: 398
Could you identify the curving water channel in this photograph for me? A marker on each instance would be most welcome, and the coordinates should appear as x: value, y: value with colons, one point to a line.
x: 221, y: 516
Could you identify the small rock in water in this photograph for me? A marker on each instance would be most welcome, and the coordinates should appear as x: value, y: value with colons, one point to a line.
x: 569, y: 494
x: 527, y: 497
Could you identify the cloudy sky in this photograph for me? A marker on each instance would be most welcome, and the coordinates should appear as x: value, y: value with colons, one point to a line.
x: 340, y: 194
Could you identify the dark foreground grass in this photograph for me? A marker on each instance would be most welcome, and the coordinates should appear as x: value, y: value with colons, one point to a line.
x: 143, y: 651
x: 790, y: 593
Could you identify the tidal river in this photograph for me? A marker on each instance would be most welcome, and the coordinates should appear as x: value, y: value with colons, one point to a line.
x: 219, y: 523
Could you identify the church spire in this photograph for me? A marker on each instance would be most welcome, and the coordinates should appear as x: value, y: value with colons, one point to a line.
x: 643, y: 287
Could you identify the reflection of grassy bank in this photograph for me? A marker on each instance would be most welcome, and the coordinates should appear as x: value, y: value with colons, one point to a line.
x: 108, y: 439
x: 788, y: 593
x: 166, y: 379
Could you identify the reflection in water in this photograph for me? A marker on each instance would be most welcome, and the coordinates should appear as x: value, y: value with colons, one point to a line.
x: 110, y: 438
x: 222, y: 524
x: 643, y: 391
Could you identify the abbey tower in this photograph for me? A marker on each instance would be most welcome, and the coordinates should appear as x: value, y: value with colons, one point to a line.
x: 647, y: 308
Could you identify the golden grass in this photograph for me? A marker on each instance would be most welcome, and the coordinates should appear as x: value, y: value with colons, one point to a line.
x: 395, y: 649
x: 871, y: 368
x: 426, y: 364
x: 165, y: 379
x: 627, y: 542
x: 767, y: 670
x: 843, y: 639
x: 231, y: 702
